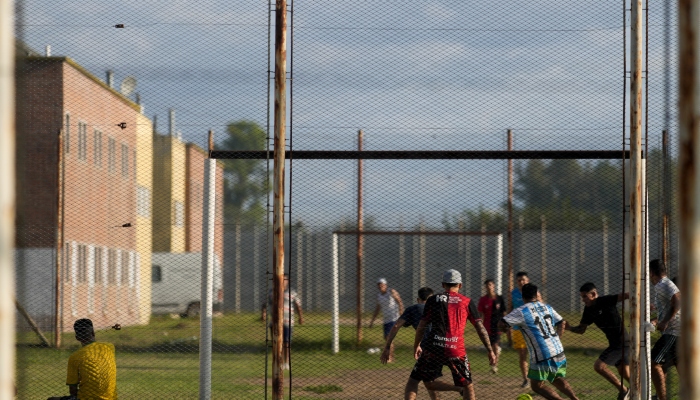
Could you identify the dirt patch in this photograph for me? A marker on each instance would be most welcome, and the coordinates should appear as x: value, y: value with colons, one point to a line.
x: 389, y: 384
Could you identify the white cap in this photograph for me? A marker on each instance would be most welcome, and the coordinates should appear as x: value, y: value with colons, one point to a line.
x: 382, y: 280
x: 451, y: 276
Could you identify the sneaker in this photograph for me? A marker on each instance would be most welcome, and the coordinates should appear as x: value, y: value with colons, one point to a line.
x: 525, y: 383
x: 494, y: 369
x: 624, y: 395
x: 285, y: 366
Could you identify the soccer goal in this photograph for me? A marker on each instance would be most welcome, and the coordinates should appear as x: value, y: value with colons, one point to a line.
x: 465, y: 265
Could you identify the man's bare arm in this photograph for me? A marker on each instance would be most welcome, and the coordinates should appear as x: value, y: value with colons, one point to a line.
x: 483, y: 334
x: 580, y: 329
x: 420, y: 331
x: 397, y: 297
x: 297, y: 306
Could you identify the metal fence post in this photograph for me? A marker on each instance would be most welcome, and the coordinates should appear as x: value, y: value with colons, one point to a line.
x: 360, y: 242
x: 7, y: 199
x: 207, y: 298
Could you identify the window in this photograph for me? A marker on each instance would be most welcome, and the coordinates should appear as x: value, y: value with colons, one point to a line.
x: 143, y: 202
x: 112, y: 156
x: 179, y: 214
x: 125, y: 268
x: 66, y: 135
x: 156, y: 274
x: 125, y: 160
x: 82, y: 263
x: 82, y: 141
x: 97, y: 150
x: 99, y: 265
x: 111, y: 266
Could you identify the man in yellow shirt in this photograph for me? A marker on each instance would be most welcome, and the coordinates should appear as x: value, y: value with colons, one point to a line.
x: 92, y: 369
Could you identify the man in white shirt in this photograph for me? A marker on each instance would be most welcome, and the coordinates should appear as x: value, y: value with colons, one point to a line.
x: 667, y: 300
x: 389, y: 302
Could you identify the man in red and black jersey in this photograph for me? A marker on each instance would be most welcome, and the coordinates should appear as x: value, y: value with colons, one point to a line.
x: 448, y: 313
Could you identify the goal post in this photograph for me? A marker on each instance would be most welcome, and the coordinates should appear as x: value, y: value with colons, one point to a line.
x: 335, y: 268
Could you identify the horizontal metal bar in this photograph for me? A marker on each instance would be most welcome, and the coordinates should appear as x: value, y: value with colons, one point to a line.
x: 426, y: 233
x: 424, y: 155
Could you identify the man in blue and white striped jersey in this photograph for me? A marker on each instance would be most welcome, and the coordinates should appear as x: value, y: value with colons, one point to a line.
x: 541, y: 327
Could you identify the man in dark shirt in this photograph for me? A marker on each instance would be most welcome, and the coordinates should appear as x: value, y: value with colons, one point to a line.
x: 602, y: 311
x: 411, y: 317
x: 447, y: 313
x: 492, y: 308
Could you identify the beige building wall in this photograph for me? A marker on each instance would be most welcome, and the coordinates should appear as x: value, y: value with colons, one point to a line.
x: 178, y: 196
x: 144, y: 212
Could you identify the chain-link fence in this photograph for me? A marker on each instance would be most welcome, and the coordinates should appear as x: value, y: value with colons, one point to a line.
x: 114, y: 104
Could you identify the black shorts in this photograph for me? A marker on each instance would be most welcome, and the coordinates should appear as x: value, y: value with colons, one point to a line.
x: 612, y: 355
x: 429, y: 367
x: 664, y: 351
x: 495, y: 339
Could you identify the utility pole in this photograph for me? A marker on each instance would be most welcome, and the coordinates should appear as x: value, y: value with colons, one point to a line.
x: 280, y: 120
x: 510, y: 217
x: 689, y: 198
x: 635, y: 201
x: 360, y: 241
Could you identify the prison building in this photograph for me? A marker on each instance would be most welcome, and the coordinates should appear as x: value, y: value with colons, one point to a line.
x: 83, y: 210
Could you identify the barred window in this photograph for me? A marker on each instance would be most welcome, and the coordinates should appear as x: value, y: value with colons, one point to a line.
x: 111, y: 266
x: 82, y: 141
x: 125, y: 160
x: 97, y: 148
x: 143, y: 202
x: 99, y: 264
x: 82, y: 263
x: 179, y: 211
x: 112, y: 150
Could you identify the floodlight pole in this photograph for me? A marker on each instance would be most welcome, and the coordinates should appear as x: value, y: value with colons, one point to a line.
x: 360, y: 240
x: 510, y: 219
x: 7, y: 199
x: 635, y: 201
x: 689, y: 198
x: 280, y: 120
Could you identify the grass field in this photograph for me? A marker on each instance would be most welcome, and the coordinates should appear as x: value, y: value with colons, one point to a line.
x: 161, y: 361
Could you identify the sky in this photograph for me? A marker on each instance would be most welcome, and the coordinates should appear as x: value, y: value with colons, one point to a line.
x: 413, y: 74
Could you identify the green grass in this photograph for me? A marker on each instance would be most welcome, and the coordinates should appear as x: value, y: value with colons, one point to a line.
x: 161, y: 360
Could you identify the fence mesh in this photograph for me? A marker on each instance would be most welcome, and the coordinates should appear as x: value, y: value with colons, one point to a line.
x: 114, y: 104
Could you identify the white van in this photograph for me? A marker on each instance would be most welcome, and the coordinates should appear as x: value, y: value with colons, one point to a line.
x: 176, y: 283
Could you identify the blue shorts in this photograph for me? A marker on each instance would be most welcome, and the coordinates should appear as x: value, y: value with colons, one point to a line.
x: 287, y: 334
x: 387, y: 328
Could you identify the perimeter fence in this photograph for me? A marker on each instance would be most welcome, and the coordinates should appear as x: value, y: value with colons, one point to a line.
x: 493, y: 141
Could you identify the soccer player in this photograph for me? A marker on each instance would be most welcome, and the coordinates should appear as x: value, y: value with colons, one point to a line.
x: 447, y: 314
x: 291, y: 298
x: 516, y: 296
x: 542, y: 327
x: 492, y: 307
x: 389, y: 302
x: 667, y: 300
x: 92, y: 369
x: 602, y: 311
x: 411, y: 317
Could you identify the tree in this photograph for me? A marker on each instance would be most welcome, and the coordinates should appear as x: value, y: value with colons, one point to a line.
x: 246, y: 182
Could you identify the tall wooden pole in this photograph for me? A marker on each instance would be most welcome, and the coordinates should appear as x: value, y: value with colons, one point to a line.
x: 510, y: 217
x: 689, y: 198
x: 665, y: 200
x: 360, y: 241
x: 58, y: 318
x: 636, y: 222
x: 7, y: 199
x: 280, y: 120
